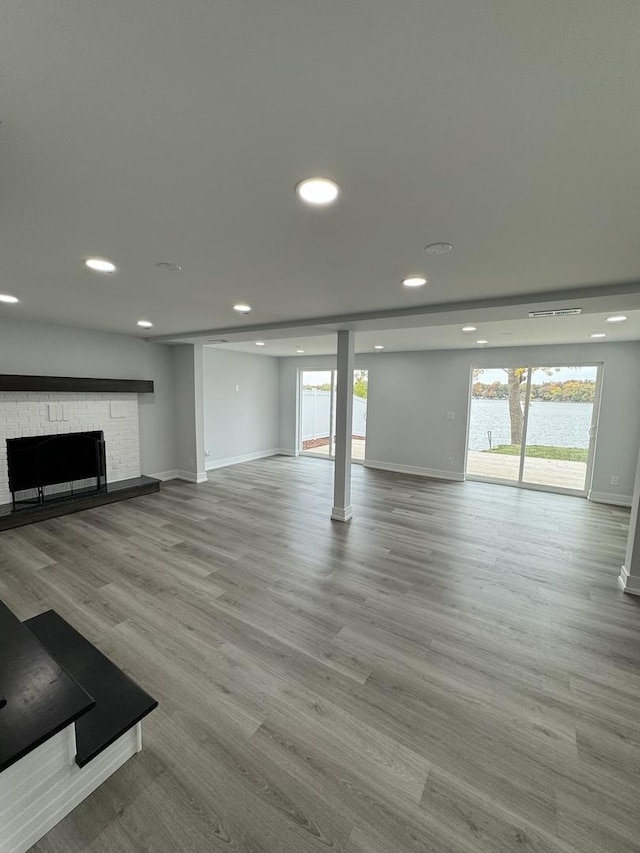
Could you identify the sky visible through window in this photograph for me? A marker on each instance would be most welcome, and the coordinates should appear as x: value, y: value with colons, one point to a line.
x: 490, y: 374
x: 317, y: 377
x: 497, y: 374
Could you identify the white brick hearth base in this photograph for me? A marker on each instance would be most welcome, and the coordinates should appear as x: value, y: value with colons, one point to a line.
x: 24, y: 414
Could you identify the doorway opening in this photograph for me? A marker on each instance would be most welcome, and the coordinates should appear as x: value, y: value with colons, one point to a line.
x: 534, y: 426
x: 318, y: 413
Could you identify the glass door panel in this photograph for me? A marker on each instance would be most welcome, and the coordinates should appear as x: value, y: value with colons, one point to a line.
x: 496, y: 422
x: 334, y: 390
x: 359, y: 420
x: 316, y: 412
x: 560, y: 417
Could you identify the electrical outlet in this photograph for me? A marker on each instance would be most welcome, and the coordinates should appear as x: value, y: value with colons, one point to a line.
x: 237, y: 388
x: 451, y: 460
x: 207, y: 453
x: 615, y: 480
x: 450, y: 416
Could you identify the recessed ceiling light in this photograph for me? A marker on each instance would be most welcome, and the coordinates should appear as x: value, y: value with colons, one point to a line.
x: 146, y: 324
x: 469, y: 328
x: 318, y: 191
x: 6, y: 297
x: 617, y: 318
x: 299, y: 351
x: 378, y: 346
x: 598, y: 335
x: 438, y: 248
x: 242, y: 308
x: 260, y: 343
x: 482, y: 341
x: 414, y: 281
x: 100, y: 265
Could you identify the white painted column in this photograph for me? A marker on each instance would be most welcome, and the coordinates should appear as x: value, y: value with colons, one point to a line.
x: 630, y: 575
x: 189, y: 405
x: 198, y: 381
x: 344, y: 414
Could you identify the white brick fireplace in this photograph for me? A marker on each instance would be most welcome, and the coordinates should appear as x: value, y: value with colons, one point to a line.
x: 34, y: 413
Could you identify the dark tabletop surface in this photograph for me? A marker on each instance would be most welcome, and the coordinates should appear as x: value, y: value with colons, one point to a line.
x: 120, y: 702
x: 41, y: 697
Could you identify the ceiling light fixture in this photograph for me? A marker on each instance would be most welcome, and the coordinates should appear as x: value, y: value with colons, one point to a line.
x: 482, y: 341
x: 414, y: 281
x: 299, y: 351
x: 617, y: 318
x: 10, y: 300
x: 378, y: 346
x: 469, y: 328
x: 145, y: 324
x: 242, y: 308
x: 598, y: 335
x: 318, y: 191
x: 438, y: 248
x: 260, y: 343
x: 100, y: 265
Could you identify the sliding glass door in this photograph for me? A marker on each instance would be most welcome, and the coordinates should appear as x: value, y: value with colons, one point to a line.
x: 495, y: 428
x: 359, y: 420
x: 560, y: 427
x: 533, y: 426
x: 318, y: 413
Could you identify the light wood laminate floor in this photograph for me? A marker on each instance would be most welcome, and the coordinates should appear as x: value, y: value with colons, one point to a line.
x: 456, y: 670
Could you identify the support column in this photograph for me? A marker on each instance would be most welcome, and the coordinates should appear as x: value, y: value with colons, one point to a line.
x: 344, y: 417
x: 189, y: 394
x: 630, y: 575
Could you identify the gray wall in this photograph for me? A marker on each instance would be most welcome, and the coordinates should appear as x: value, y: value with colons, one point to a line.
x: 41, y: 349
x: 241, y: 423
x: 410, y: 393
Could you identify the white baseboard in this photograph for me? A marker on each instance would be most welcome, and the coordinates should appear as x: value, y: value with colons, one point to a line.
x: 417, y: 472
x: 192, y: 476
x: 628, y: 583
x: 246, y: 457
x: 340, y: 514
x: 607, y: 498
x: 165, y: 475
x: 283, y: 451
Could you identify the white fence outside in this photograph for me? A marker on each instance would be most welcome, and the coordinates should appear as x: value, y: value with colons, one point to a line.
x: 316, y: 411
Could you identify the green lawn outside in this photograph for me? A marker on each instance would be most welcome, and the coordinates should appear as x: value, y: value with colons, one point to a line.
x: 540, y: 451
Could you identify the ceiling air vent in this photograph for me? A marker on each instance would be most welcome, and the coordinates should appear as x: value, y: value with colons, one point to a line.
x: 219, y: 341
x: 556, y: 312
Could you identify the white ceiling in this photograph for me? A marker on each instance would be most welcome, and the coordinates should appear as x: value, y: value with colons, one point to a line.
x: 529, y: 332
x: 176, y: 131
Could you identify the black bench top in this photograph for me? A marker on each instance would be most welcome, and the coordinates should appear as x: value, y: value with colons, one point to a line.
x: 119, y: 702
x: 41, y: 697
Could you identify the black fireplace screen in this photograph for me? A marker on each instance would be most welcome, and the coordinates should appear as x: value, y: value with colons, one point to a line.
x: 45, y: 460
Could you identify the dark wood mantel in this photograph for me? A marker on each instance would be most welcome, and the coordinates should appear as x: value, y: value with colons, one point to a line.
x: 18, y: 382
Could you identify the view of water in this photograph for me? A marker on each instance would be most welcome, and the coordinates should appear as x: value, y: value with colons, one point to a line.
x: 558, y: 424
